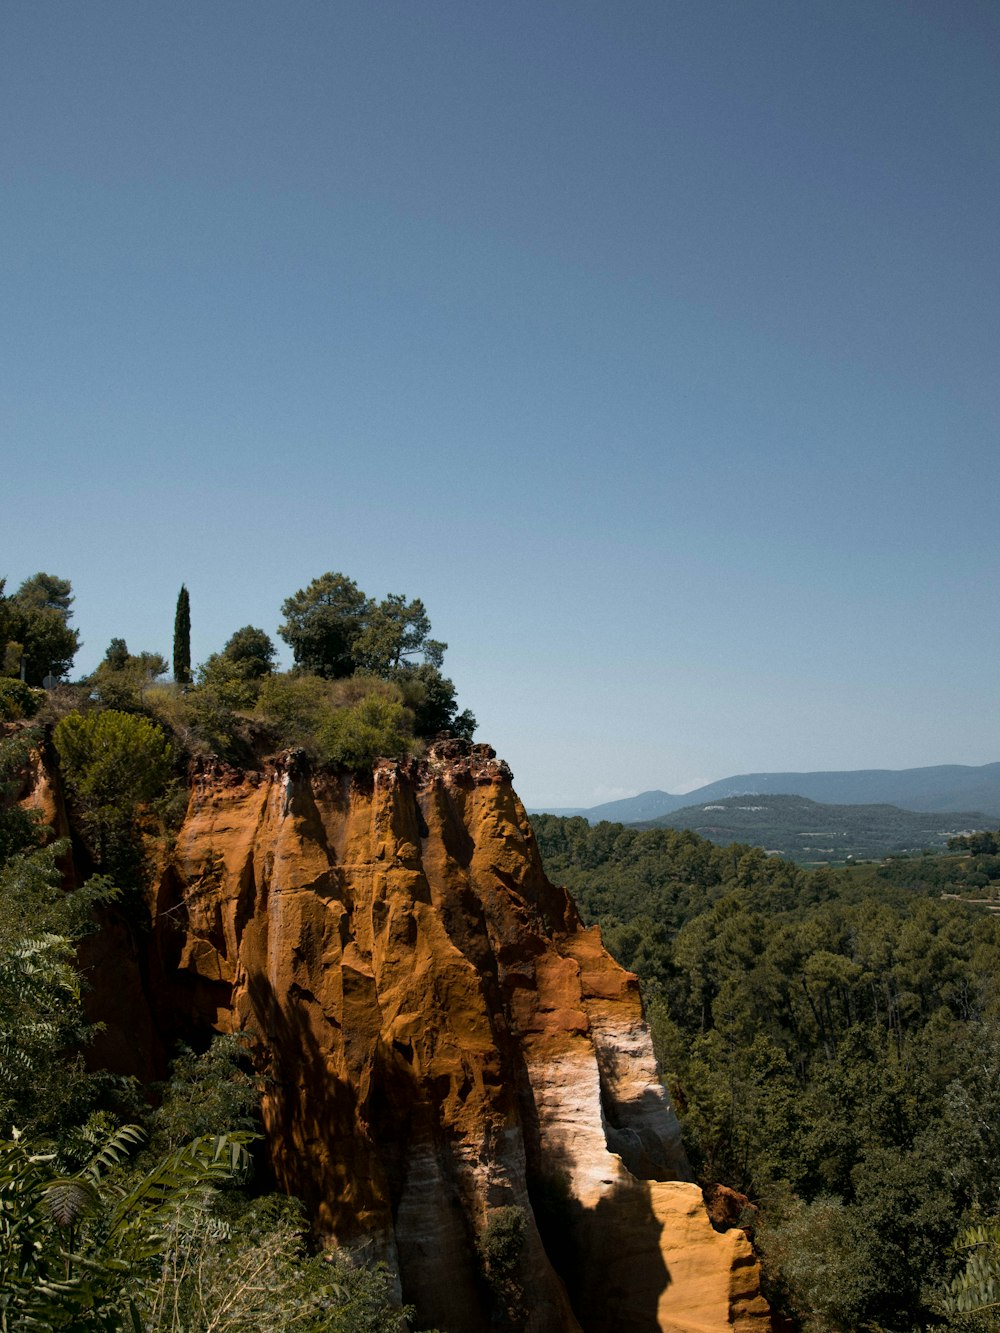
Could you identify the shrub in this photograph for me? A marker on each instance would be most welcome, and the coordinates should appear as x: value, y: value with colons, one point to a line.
x: 500, y: 1247
x: 295, y: 706
x: 113, y: 764
x: 18, y: 700
x: 350, y: 722
x: 113, y: 759
x: 122, y: 679
x: 375, y: 726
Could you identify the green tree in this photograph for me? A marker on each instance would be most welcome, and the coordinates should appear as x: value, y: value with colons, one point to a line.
x: 431, y: 696
x: 113, y: 763
x: 394, y: 633
x: 46, y: 592
x: 35, y: 625
x: 235, y: 674
x: 335, y: 631
x: 500, y: 1247
x: 182, y: 638
x: 323, y: 624
x: 117, y: 656
x: 121, y: 678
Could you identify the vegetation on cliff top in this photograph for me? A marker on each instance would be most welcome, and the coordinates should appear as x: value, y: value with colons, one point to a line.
x: 366, y: 681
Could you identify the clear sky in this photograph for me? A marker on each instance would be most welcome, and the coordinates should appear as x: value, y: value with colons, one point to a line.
x: 653, y: 343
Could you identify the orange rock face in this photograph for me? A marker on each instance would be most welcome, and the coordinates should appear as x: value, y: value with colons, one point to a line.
x: 440, y: 1038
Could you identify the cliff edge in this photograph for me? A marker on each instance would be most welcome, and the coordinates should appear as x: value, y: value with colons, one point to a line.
x: 440, y: 1038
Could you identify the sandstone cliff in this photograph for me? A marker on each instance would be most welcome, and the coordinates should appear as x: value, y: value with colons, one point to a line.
x: 440, y: 1038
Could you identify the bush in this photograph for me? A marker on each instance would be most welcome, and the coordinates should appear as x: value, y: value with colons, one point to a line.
x: 374, y: 727
x: 349, y: 722
x: 500, y: 1247
x: 236, y: 673
x: 113, y: 764
x: 113, y: 759
x: 122, y: 679
x: 295, y: 706
x: 18, y: 700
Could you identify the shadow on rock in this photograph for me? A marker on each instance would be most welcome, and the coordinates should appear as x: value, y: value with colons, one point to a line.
x: 608, y: 1255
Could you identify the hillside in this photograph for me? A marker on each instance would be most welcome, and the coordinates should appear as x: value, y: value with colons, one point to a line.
x: 809, y: 831
x: 947, y: 787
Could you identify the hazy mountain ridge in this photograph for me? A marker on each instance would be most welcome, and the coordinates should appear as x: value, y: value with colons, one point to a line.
x: 806, y: 830
x: 940, y: 788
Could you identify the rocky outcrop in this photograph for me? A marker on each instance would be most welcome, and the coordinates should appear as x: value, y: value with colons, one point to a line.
x: 439, y: 1038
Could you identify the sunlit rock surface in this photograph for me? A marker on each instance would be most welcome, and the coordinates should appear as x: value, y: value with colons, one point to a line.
x: 439, y: 1037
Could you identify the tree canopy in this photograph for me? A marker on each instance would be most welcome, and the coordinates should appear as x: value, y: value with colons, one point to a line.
x: 35, y: 631
x: 322, y: 624
x: 335, y: 631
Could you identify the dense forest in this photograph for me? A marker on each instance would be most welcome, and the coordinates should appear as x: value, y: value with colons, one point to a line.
x: 831, y: 1038
x: 831, y: 1042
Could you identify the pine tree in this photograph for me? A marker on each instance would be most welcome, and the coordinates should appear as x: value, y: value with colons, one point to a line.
x: 182, y: 639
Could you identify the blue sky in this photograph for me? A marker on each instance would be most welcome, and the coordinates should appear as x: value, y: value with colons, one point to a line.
x: 653, y: 344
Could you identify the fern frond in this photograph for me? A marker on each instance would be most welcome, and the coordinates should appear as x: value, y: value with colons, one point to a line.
x: 113, y: 1151
x: 67, y: 1198
x: 178, y: 1181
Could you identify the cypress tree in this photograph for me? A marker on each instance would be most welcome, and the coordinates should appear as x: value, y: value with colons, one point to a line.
x: 182, y: 639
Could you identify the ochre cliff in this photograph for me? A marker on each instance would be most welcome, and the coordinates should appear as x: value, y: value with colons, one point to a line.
x: 439, y: 1036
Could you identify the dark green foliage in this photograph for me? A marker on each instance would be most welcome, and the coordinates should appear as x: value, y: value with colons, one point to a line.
x: 68, y: 1242
x: 206, y: 1093
x: 182, y: 638
x: 335, y: 631
x: 41, y: 1020
x: 235, y: 674
x: 394, y: 632
x: 831, y: 1040
x: 117, y: 656
x: 19, y: 828
x: 250, y: 653
x: 34, y: 628
x: 431, y: 697
x: 500, y: 1247
x: 114, y: 764
x: 322, y: 624
x: 18, y: 700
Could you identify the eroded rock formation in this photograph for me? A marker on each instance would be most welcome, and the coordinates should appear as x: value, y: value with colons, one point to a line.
x: 440, y: 1038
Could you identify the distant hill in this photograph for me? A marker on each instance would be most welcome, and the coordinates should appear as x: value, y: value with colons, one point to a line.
x: 647, y: 805
x: 809, y: 831
x: 942, y: 787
